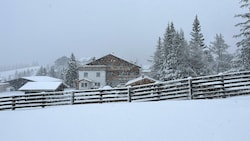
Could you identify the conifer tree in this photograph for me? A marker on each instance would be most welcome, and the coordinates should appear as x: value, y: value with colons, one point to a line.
x: 72, y: 72
x: 157, y: 60
x: 169, y: 57
x: 222, y: 60
x: 197, y: 48
x: 174, y: 55
x: 183, y: 57
x: 208, y: 60
x: 243, y: 59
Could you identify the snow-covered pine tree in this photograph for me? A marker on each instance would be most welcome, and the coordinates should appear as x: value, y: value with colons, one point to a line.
x: 169, y: 54
x: 222, y: 59
x: 183, y: 67
x: 244, y: 43
x: 72, y: 72
x: 171, y: 58
x: 208, y: 61
x: 237, y: 62
x: 157, y: 60
x: 197, y: 48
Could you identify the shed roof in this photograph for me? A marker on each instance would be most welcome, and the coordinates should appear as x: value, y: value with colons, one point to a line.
x: 42, y: 79
x: 140, y: 79
x: 40, y: 86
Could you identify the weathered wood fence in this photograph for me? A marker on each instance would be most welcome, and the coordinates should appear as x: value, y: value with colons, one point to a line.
x: 207, y: 87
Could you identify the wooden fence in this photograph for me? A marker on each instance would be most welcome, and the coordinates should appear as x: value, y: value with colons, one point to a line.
x: 207, y: 87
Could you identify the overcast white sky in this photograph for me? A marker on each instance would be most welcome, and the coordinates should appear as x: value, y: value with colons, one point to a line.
x: 44, y: 30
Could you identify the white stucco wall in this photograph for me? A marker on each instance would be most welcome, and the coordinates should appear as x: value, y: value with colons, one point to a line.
x: 92, y: 75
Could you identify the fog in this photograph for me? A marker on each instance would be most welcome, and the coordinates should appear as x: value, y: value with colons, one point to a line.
x: 44, y: 30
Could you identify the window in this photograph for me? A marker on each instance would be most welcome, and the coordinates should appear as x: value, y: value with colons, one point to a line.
x: 84, y: 85
x: 85, y: 74
x: 109, y: 83
x: 98, y: 84
x: 98, y: 74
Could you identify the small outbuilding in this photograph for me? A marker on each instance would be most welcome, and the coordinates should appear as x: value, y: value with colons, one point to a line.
x: 142, y: 80
x: 19, y: 82
x: 36, y: 87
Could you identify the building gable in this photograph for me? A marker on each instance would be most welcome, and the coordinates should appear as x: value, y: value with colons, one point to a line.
x: 111, y: 60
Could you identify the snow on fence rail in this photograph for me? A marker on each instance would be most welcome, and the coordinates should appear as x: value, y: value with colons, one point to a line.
x: 207, y: 87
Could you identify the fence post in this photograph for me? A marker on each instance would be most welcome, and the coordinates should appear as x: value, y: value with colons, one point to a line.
x: 72, y: 98
x: 223, y: 86
x: 101, y: 92
x: 13, y: 103
x: 190, y: 94
x: 129, y: 94
x: 43, y: 100
x: 158, y: 92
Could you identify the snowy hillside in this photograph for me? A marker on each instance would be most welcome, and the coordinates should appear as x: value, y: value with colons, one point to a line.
x: 194, y: 120
x: 11, y: 74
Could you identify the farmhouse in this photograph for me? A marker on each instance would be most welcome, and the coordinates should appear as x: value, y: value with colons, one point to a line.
x: 108, y: 70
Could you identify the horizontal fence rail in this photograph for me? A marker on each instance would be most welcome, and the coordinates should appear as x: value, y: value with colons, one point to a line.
x: 207, y: 87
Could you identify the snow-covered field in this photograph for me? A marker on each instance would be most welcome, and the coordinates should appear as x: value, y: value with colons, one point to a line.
x: 194, y: 120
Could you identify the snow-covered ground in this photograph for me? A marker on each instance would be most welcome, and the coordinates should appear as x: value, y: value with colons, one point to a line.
x: 193, y: 120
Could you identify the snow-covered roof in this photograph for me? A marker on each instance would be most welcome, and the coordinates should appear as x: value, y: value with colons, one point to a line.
x: 42, y: 79
x: 106, y: 87
x: 86, y: 79
x: 47, y: 86
x: 139, y: 79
